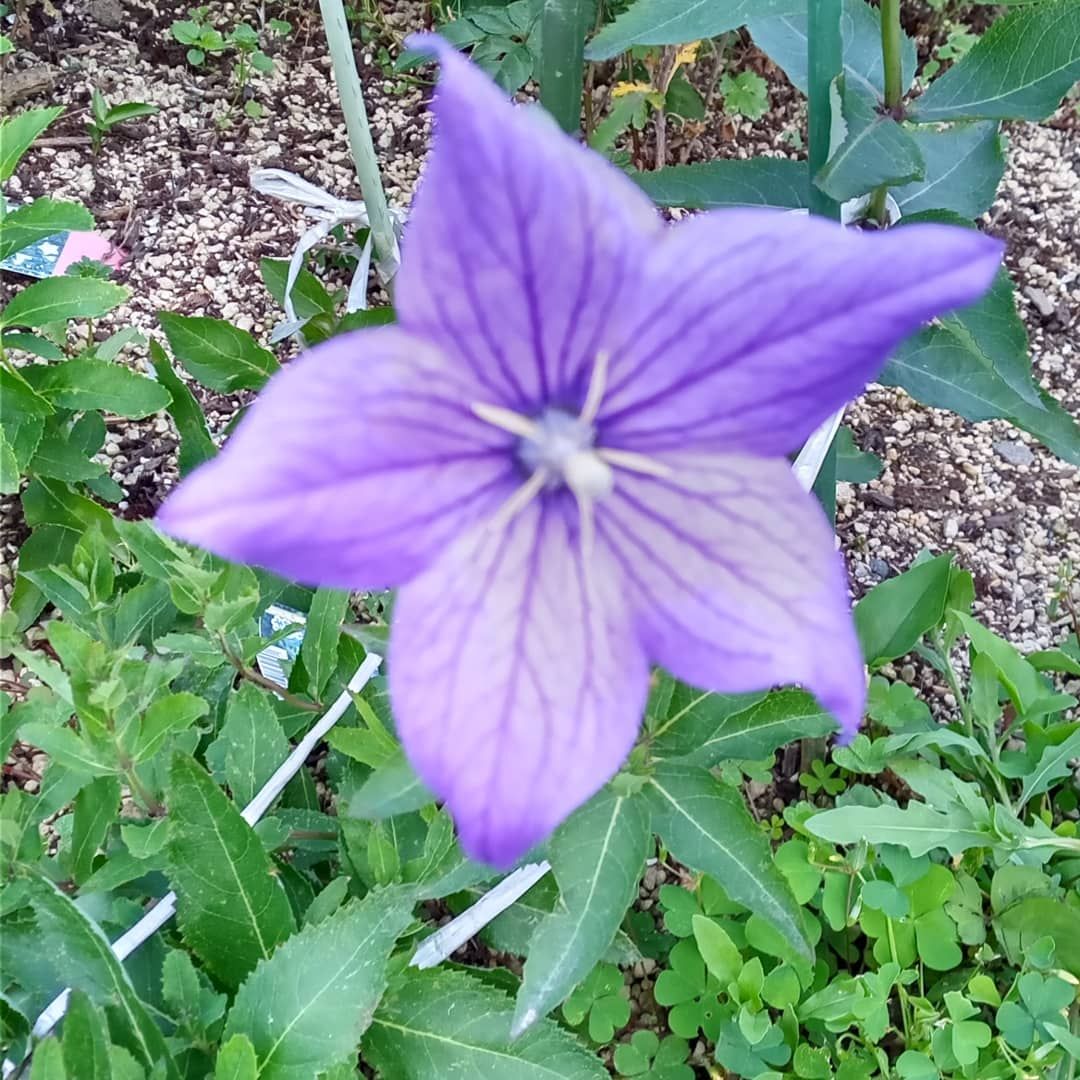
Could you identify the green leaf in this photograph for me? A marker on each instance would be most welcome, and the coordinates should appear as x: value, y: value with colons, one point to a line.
x: 874, y: 150
x: 917, y: 828
x: 56, y: 457
x: 66, y: 748
x: 85, y: 1045
x: 96, y: 808
x: 9, y: 467
x: 745, y: 94
x: 713, y: 184
x: 393, y: 788
x: 1053, y: 764
x: 86, y: 383
x: 784, y: 38
x: 232, y: 909
x: 236, y: 1060
x: 305, y: 1007
x: 597, y: 857
x: 309, y: 297
x: 18, y: 132
x: 196, y: 445
x: 449, y: 1024
x: 719, y: 952
x: 964, y: 165
x: 81, y: 953
x: 894, y: 615
x: 166, y: 717
x: 1019, y: 69
x: 674, y: 22
x: 218, y: 354
x: 707, y: 729
x: 854, y: 466
x: 48, y: 1061
x: 327, y: 902
x: 319, y: 650
x: 57, y: 299
x: 251, y: 744
x: 1024, y: 684
x: 129, y: 110
x: 706, y: 825
x: 1023, y: 924
x: 38, y: 220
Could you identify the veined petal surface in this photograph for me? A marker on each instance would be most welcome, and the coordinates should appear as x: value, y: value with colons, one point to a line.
x: 356, y: 465
x: 522, y: 248
x: 517, y: 680
x: 735, y: 578
x: 754, y: 325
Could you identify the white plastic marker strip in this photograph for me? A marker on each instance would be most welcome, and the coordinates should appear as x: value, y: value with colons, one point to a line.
x: 165, y: 908
x: 327, y: 212
x: 450, y: 937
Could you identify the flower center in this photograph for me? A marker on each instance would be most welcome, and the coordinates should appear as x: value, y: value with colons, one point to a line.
x: 561, y: 446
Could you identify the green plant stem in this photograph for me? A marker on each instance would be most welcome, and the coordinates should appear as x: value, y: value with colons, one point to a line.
x: 356, y: 123
x: 892, y: 59
x: 825, y: 55
x: 253, y: 676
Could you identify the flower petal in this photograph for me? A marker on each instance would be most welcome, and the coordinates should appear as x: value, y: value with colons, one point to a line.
x: 355, y: 466
x: 519, y: 245
x: 518, y: 685
x: 755, y: 325
x: 737, y: 579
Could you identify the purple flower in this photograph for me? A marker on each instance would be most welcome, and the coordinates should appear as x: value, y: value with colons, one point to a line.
x: 569, y: 454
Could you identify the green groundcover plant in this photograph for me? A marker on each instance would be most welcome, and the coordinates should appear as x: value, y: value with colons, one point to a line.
x: 917, y: 916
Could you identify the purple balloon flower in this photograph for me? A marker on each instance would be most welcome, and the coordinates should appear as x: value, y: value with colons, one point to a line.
x: 569, y: 453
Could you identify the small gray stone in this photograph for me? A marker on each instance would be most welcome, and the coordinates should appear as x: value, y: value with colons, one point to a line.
x: 1015, y: 453
x: 880, y: 569
x: 1043, y: 304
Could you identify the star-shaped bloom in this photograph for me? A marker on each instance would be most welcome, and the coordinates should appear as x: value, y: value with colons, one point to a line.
x: 569, y: 455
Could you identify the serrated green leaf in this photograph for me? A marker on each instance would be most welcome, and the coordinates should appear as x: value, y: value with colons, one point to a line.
x: 393, y: 788
x: 85, y: 383
x: 964, y: 165
x: 66, y: 748
x: 237, y: 1060
x: 674, y: 22
x: 96, y: 808
x: 1019, y: 69
x: 218, y: 354
x: 707, y: 729
x: 231, y: 908
x: 875, y: 150
x: 9, y: 467
x: 167, y: 716
x: 319, y: 650
x: 449, y: 1024
x: 706, y: 826
x: 714, y: 184
x: 18, y: 132
x: 306, y: 1007
x: 81, y: 953
x: 196, y: 445
x: 57, y: 299
x: 38, y: 220
x: 597, y: 857
x: 250, y: 744
x: 85, y: 1041
x: 56, y: 458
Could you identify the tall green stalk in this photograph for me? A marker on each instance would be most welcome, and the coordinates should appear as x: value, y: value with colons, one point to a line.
x: 356, y: 124
x: 825, y: 62
x: 563, y: 27
x: 894, y: 86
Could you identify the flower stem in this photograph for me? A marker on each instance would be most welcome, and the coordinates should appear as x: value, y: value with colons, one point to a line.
x: 892, y: 60
x: 825, y: 52
x: 360, y: 142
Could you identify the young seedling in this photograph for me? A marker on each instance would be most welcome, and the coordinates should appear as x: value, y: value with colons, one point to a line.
x: 104, y: 117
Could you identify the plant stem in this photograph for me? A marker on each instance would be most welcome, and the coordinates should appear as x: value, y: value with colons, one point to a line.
x: 825, y: 53
x: 892, y: 61
x: 563, y: 25
x: 360, y: 141
x: 253, y: 676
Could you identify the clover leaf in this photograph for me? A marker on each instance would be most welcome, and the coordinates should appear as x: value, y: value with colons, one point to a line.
x: 1042, y: 1000
x: 690, y: 993
x: 603, y: 998
x: 649, y: 1057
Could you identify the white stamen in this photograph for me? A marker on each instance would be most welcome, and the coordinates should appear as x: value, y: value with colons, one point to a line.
x: 519, y: 500
x: 597, y: 384
x: 627, y: 459
x: 587, y: 475
x: 506, y: 419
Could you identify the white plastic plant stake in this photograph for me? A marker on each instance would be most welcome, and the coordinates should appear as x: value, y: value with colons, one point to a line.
x: 165, y: 908
x: 327, y: 212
